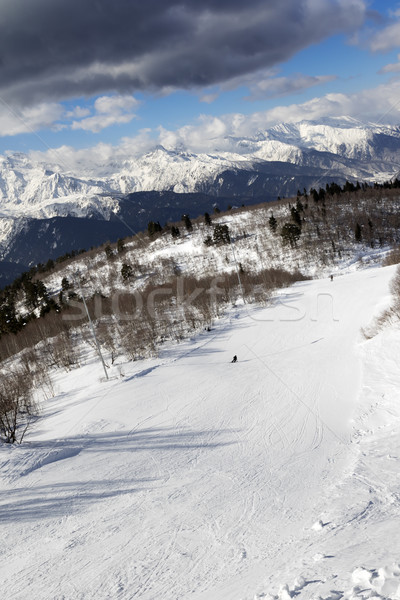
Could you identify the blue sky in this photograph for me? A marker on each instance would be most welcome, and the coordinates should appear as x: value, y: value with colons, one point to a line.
x: 189, y: 76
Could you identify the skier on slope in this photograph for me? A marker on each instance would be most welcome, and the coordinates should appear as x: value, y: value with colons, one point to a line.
x: 234, y: 359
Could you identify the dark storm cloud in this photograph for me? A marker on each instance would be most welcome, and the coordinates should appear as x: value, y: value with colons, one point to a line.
x: 54, y: 49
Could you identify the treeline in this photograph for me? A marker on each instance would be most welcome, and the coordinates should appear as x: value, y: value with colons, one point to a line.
x: 27, y: 297
x: 331, y: 223
x: 332, y: 189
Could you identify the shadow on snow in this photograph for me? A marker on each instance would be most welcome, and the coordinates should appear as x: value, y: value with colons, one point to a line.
x: 35, y: 501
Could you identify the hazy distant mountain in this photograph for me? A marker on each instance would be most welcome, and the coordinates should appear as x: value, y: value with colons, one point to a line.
x: 274, y: 163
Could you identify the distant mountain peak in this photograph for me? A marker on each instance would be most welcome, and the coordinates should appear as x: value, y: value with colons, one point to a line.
x: 272, y: 161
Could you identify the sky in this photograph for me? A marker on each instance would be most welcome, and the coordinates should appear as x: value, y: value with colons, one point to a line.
x: 104, y: 75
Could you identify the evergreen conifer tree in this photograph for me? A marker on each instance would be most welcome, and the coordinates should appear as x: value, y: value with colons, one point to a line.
x: 126, y: 272
x: 295, y: 216
x: 153, y: 228
x: 175, y: 231
x: 273, y: 223
x: 108, y: 251
x: 187, y: 222
x: 221, y: 234
x: 291, y: 233
x: 207, y: 218
x: 65, y: 284
x: 358, y: 233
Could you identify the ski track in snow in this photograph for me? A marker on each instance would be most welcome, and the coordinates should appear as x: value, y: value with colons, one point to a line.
x: 193, y: 478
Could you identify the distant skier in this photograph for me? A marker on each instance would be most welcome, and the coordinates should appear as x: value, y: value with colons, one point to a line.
x: 234, y: 359
x: 331, y: 277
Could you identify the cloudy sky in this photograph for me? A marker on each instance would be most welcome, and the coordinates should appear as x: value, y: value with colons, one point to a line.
x: 189, y: 73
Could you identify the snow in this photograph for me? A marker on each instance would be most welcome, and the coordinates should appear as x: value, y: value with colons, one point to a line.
x: 254, y: 246
x: 188, y: 477
x: 318, y: 526
x: 44, y: 185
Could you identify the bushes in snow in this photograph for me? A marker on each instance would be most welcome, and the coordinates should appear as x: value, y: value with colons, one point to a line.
x: 17, y: 407
x: 388, y: 316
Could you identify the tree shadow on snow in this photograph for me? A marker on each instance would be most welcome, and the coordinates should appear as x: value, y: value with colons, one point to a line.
x: 61, y: 499
x: 176, y: 355
x: 35, y: 501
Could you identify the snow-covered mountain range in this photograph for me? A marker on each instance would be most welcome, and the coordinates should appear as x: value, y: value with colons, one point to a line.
x: 41, y: 190
x: 275, y: 162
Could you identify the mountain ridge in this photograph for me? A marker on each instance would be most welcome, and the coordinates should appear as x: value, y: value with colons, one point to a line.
x: 271, y: 163
x: 30, y: 183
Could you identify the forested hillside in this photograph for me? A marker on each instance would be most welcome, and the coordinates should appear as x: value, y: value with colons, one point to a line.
x: 167, y: 283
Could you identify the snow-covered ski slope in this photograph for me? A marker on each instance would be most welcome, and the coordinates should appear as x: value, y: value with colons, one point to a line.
x: 193, y: 478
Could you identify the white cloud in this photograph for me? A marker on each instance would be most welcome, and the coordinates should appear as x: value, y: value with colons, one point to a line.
x: 99, y: 122
x: 14, y: 121
x: 209, y: 98
x: 109, y: 110
x: 275, y: 87
x: 265, y: 84
x: 381, y: 104
x: 209, y: 133
x: 391, y: 68
x: 78, y: 112
x: 94, y: 161
x: 386, y: 39
x: 113, y: 104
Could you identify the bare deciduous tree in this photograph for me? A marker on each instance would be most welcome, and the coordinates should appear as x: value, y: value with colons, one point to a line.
x: 17, y: 407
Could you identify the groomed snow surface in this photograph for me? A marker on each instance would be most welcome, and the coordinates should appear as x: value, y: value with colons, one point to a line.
x: 188, y: 477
